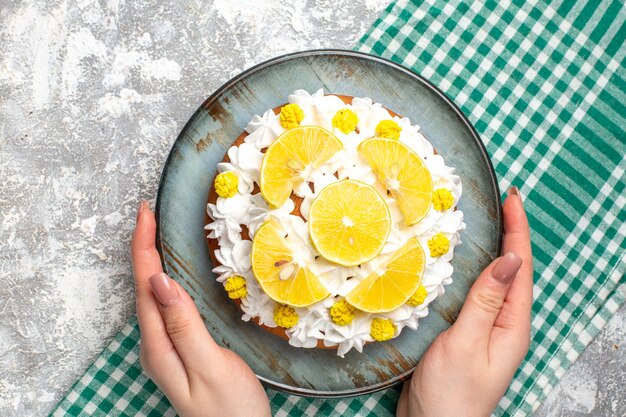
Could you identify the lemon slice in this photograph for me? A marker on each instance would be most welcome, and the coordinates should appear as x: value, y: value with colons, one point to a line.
x: 403, y: 173
x: 282, y: 279
x: 349, y: 222
x: 291, y: 158
x: 402, y: 277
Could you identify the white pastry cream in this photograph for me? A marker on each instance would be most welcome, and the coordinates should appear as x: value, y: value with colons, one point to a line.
x: 249, y: 209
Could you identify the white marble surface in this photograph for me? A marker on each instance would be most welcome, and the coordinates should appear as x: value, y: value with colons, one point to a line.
x: 92, y: 95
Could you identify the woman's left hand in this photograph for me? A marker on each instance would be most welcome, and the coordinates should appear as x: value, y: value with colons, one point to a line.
x: 199, y: 377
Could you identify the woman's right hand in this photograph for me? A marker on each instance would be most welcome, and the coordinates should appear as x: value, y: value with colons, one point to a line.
x: 467, y: 368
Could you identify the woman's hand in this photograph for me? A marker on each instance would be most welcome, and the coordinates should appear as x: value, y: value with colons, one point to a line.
x: 467, y: 368
x: 199, y: 377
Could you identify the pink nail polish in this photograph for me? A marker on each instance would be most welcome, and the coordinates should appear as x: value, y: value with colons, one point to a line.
x: 140, y: 208
x: 506, y: 268
x: 515, y: 191
x: 163, y: 289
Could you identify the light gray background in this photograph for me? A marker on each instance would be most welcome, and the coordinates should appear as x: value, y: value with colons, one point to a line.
x: 92, y: 95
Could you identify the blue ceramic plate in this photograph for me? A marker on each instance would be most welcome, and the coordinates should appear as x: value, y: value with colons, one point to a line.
x: 189, y: 172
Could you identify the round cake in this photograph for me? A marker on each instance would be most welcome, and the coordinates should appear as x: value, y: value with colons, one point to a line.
x: 332, y: 222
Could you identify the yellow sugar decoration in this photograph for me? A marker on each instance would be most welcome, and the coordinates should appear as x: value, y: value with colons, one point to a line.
x: 438, y: 245
x: 226, y: 184
x: 442, y: 199
x: 345, y: 120
x: 382, y: 329
x: 285, y: 316
x: 418, y: 297
x: 388, y: 129
x: 238, y: 293
x: 234, y: 283
x: 342, y: 313
x: 291, y: 115
x: 236, y: 287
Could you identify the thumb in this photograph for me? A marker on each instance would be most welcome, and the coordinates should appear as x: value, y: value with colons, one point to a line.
x: 183, y: 323
x: 486, y: 298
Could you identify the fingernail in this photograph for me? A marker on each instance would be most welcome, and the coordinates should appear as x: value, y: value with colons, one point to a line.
x: 140, y: 208
x: 515, y: 191
x: 163, y: 289
x: 506, y: 267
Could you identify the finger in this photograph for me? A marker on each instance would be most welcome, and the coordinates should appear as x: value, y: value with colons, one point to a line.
x: 158, y: 355
x: 517, y: 239
x: 485, y: 299
x: 184, y: 325
x: 147, y: 262
x: 510, y: 337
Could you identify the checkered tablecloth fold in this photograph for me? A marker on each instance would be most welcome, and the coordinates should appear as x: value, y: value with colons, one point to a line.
x: 544, y: 83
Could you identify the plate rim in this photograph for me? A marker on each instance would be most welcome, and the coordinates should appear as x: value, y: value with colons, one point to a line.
x: 306, y: 392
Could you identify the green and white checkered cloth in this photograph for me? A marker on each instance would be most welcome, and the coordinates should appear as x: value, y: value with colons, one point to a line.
x: 544, y: 83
